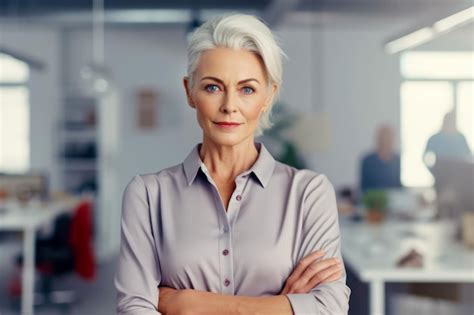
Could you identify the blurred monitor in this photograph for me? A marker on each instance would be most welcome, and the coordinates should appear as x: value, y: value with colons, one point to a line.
x: 454, y: 185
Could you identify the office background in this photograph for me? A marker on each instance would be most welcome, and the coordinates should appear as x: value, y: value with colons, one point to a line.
x: 84, y: 81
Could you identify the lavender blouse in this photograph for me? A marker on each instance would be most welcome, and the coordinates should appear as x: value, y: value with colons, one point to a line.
x: 177, y: 233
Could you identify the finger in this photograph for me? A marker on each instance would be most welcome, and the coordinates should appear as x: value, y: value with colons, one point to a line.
x: 295, y: 283
x: 333, y: 277
x: 295, y: 275
x: 323, y: 276
x: 286, y: 288
x: 317, y: 267
x: 305, y: 262
x: 328, y: 272
x: 314, y: 283
x: 311, y: 276
x: 302, y: 265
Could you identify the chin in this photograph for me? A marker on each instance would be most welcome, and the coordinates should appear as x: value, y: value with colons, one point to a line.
x: 228, y: 139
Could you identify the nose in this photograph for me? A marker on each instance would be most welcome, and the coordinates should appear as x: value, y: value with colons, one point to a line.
x: 229, y: 103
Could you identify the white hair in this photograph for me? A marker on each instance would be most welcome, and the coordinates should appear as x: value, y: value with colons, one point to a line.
x: 240, y: 31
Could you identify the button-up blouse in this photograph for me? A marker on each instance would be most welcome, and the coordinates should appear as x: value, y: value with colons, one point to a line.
x: 176, y: 232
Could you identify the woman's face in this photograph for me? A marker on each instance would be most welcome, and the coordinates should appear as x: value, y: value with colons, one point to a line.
x: 229, y: 92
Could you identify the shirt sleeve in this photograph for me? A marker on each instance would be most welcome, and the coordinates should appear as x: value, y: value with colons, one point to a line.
x: 321, y: 231
x: 138, y: 275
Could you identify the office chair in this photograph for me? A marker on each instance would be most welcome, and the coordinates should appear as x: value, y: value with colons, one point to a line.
x: 68, y: 249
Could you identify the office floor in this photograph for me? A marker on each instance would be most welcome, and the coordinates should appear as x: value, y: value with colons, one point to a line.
x: 94, y: 298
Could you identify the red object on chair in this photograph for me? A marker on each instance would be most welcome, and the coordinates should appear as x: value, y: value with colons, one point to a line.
x: 81, y: 240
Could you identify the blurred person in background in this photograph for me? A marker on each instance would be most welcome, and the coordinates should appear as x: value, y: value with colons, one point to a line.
x: 230, y: 229
x: 449, y: 143
x: 381, y: 169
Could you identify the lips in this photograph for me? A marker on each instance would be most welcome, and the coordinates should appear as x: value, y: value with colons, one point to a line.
x: 225, y: 123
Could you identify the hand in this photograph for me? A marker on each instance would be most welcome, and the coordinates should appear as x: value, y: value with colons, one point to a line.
x: 312, y: 271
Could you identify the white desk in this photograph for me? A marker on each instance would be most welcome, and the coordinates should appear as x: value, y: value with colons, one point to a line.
x: 28, y: 219
x: 373, y: 251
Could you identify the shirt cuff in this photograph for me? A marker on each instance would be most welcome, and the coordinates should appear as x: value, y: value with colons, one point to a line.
x: 303, y: 304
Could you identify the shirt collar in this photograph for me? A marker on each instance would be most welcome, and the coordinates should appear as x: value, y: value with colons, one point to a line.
x: 262, y: 168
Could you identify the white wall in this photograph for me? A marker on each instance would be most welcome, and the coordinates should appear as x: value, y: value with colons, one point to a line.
x: 40, y: 43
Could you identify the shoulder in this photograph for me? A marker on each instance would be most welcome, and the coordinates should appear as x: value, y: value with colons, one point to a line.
x: 147, y: 181
x: 315, y: 194
x: 369, y: 157
x: 435, y: 137
x: 303, y: 180
x: 460, y: 136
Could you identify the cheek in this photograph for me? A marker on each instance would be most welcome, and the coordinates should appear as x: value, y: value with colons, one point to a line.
x: 206, y: 106
x: 253, y: 111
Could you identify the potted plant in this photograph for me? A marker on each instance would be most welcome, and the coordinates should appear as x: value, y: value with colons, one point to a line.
x: 288, y: 152
x: 375, y: 202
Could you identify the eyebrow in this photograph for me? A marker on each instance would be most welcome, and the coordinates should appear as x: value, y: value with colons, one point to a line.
x: 222, y: 82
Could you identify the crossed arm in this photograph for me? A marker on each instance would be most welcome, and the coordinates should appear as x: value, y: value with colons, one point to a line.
x: 187, y: 302
x: 306, y: 290
x: 310, y: 272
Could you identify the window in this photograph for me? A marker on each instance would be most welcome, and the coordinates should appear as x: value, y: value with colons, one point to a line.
x: 14, y: 115
x: 434, y: 84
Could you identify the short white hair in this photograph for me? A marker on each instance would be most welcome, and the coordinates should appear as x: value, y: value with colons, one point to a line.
x: 240, y: 31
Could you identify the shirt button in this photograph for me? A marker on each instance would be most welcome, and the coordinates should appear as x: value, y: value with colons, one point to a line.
x: 239, y: 197
x: 226, y: 282
x: 225, y: 252
x: 226, y: 229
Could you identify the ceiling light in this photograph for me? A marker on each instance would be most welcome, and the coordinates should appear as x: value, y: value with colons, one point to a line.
x: 455, y: 20
x: 148, y: 16
x: 427, y: 33
x: 411, y: 40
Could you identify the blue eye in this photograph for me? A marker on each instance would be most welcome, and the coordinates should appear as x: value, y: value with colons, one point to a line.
x: 212, y: 88
x: 248, y: 90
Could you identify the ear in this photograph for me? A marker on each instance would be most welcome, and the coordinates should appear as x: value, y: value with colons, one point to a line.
x: 187, y: 88
x: 269, y: 99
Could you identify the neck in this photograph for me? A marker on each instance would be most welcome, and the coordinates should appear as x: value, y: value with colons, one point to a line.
x: 385, y: 155
x: 226, y: 162
x: 450, y: 130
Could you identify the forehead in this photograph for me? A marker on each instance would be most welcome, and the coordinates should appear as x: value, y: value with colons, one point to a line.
x: 230, y: 63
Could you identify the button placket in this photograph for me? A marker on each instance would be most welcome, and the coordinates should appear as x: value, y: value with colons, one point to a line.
x: 225, y: 244
x: 225, y: 259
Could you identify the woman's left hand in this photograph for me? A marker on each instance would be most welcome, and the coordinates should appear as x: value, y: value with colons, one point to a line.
x: 311, y: 271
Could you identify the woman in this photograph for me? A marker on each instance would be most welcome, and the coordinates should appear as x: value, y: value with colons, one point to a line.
x: 231, y: 230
